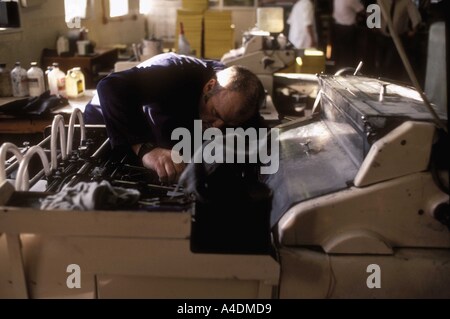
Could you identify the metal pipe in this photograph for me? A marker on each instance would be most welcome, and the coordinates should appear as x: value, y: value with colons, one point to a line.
x: 161, y: 187
x: 36, y: 177
x: 360, y: 64
x: 76, y: 113
x: 101, y: 149
x: 57, y: 127
x: 4, y: 149
x: 22, y: 181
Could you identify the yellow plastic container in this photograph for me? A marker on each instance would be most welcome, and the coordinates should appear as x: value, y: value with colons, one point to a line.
x: 75, y: 83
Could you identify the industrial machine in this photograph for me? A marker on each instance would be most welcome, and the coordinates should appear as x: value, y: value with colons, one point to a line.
x: 362, y: 203
x: 359, y: 208
x: 263, y: 55
x: 77, y: 210
x: 265, y: 50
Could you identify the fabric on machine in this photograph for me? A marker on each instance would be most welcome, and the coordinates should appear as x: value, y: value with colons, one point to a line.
x: 90, y: 196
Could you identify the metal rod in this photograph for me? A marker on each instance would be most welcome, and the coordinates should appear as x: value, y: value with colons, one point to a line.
x: 360, y: 64
x: 37, y: 177
x: 101, y: 149
x: 169, y: 188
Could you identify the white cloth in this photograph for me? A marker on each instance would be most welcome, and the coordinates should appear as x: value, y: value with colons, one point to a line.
x: 91, y: 196
x: 302, y: 15
x: 405, y: 11
x: 345, y: 11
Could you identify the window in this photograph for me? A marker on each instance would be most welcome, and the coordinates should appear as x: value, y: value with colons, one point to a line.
x: 145, y: 6
x: 9, y: 15
x: 75, y: 9
x: 118, y: 8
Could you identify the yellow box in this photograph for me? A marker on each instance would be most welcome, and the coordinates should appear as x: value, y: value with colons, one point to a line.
x: 312, y: 61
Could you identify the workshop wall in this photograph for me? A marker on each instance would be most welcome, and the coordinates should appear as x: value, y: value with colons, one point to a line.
x: 40, y: 26
x: 43, y: 22
x: 106, y: 32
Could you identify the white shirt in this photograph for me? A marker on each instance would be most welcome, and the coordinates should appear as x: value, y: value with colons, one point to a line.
x: 344, y: 11
x: 405, y: 10
x: 302, y: 15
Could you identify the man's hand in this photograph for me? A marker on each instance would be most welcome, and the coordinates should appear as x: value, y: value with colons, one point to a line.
x: 160, y: 160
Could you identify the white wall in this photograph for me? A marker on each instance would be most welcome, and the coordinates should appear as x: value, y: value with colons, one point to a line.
x: 41, y: 25
x: 243, y: 19
x: 116, y: 31
x: 43, y: 21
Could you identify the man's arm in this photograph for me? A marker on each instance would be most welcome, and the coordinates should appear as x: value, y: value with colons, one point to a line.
x: 121, y: 97
x: 122, y: 111
x: 165, y: 80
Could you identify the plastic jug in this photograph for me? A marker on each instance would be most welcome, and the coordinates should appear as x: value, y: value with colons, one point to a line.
x: 36, y: 83
x: 19, y: 81
x: 151, y: 48
x: 62, y: 45
x: 75, y: 84
x: 57, y: 81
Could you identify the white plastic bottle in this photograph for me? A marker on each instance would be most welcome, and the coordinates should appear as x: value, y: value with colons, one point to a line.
x: 52, y: 85
x: 62, y: 45
x: 47, y: 81
x: 183, y: 44
x: 57, y: 81
x: 75, y: 86
x: 19, y: 81
x: 36, y: 83
x: 282, y: 41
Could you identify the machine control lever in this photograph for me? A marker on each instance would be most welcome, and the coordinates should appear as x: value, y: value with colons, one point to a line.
x: 383, y: 91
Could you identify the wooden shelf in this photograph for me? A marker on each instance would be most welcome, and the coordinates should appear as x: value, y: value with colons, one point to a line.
x: 94, y: 66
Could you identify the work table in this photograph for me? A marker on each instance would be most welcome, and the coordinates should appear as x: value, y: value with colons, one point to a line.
x: 36, y: 124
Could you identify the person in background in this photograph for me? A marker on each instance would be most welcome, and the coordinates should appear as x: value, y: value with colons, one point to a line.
x: 302, y: 33
x: 344, y: 32
x: 406, y: 19
x: 142, y: 106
